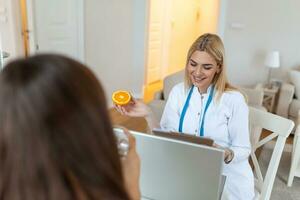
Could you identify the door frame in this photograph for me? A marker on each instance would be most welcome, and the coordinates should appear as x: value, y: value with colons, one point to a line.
x: 11, y: 11
x: 222, y: 18
x: 32, y: 28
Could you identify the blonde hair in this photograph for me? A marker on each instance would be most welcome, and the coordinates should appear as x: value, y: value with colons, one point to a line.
x: 213, y: 45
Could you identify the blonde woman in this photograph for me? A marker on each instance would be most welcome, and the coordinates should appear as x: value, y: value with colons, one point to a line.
x: 205, y: 104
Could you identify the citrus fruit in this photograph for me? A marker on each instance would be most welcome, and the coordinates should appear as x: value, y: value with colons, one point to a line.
x: 121, y: 97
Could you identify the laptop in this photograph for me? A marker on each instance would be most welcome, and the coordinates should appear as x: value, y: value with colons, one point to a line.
x: 183, y: 137
x: 174, y: 169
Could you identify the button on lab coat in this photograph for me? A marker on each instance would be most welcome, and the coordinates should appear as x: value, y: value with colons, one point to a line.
x: 226, y: 122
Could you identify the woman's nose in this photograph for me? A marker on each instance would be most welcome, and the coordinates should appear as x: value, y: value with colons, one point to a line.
x: 198, y: 70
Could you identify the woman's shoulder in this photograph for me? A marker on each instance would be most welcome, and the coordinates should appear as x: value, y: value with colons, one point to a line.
x: 178, y: 88
x: 233, y: 97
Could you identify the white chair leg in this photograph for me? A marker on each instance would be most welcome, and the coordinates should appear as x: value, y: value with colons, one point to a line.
x: 295, y: 160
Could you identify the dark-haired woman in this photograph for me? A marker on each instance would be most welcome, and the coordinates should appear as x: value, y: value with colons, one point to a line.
x: 56, y: 138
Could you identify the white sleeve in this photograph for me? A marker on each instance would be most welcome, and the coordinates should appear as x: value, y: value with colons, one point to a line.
x: 238, y: 128
x: 171, y: 115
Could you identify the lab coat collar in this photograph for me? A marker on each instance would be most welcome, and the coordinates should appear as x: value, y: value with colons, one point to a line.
x: 207, y: 91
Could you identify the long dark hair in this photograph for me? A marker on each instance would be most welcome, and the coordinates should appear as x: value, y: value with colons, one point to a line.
x: 56, y: 138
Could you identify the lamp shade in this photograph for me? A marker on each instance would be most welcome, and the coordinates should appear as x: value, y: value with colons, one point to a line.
x: 272, y: 59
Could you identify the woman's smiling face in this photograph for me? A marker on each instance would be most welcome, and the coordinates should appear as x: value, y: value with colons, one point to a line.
x: 202, y: 69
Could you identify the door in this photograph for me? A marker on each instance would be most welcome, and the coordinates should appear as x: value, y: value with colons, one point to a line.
x: 185, y: 28
x: 3, y: 27
x: 9, y: 35
x: 155, y: 40
x: 58, y: 26
x: 173, y: 26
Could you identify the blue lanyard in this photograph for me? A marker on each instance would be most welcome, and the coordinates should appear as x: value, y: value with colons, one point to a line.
x: 186, y: 105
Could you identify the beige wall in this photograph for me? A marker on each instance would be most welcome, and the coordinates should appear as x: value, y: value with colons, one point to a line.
x: 114, y: 43
x: 268, y: 25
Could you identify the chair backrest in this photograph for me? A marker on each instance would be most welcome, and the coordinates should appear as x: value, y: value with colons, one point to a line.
x: 280, y: 128
x: 254, y: 96
x: 255, y: 99
x: 170, y: 81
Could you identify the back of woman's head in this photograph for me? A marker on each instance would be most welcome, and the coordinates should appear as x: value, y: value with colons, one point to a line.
x: 56, y: 139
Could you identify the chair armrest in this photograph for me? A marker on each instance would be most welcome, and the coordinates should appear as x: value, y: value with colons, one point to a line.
x: 262, y: 108
x: 297, y: 125
x: 254, y: 96
x: 285, y: 98
x: 158, y: 95
x: 157, y: 107
x: 259, y: 86
x: 297, y: 131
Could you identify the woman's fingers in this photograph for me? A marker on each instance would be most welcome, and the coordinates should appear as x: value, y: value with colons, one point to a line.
x: 134, y: 109
x: 131, y: 138
x: 132, y: 142
x: 117, y: 108
x: 216, y: 145
x: 133, y: 101
x: 124, y: 111
x: 131, y: 168
x: 120, y: 109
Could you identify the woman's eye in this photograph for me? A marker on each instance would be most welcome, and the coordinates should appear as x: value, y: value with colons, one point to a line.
x: 207, y: 68
x: 193, y: 64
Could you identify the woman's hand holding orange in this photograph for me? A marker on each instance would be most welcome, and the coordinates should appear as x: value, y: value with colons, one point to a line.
x: 130, y: 106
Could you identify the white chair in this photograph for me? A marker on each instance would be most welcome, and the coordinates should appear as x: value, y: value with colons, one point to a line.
x: 280, y: 128
x: 295, y: 162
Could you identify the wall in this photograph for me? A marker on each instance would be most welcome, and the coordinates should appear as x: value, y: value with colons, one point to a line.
x: 115, y: 43
x: 268, y: 25
x: 10, y: 29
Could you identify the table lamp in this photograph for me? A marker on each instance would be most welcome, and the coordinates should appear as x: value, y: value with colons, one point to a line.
x: 272, y: 61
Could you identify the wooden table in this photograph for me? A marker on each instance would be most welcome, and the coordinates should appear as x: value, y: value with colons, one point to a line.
x: 132, y: 123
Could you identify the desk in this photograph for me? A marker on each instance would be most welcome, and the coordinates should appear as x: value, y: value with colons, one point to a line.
x: 132, y: 123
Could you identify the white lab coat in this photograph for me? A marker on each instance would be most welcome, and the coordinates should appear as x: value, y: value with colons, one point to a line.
x: 226, y: 123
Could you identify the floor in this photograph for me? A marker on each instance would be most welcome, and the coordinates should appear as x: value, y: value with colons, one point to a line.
x: 280, y: 190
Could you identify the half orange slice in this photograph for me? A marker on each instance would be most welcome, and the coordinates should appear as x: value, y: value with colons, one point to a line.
x: 121, y: 97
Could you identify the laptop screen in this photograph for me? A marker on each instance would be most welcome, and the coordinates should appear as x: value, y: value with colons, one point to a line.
x: 172, y: 169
